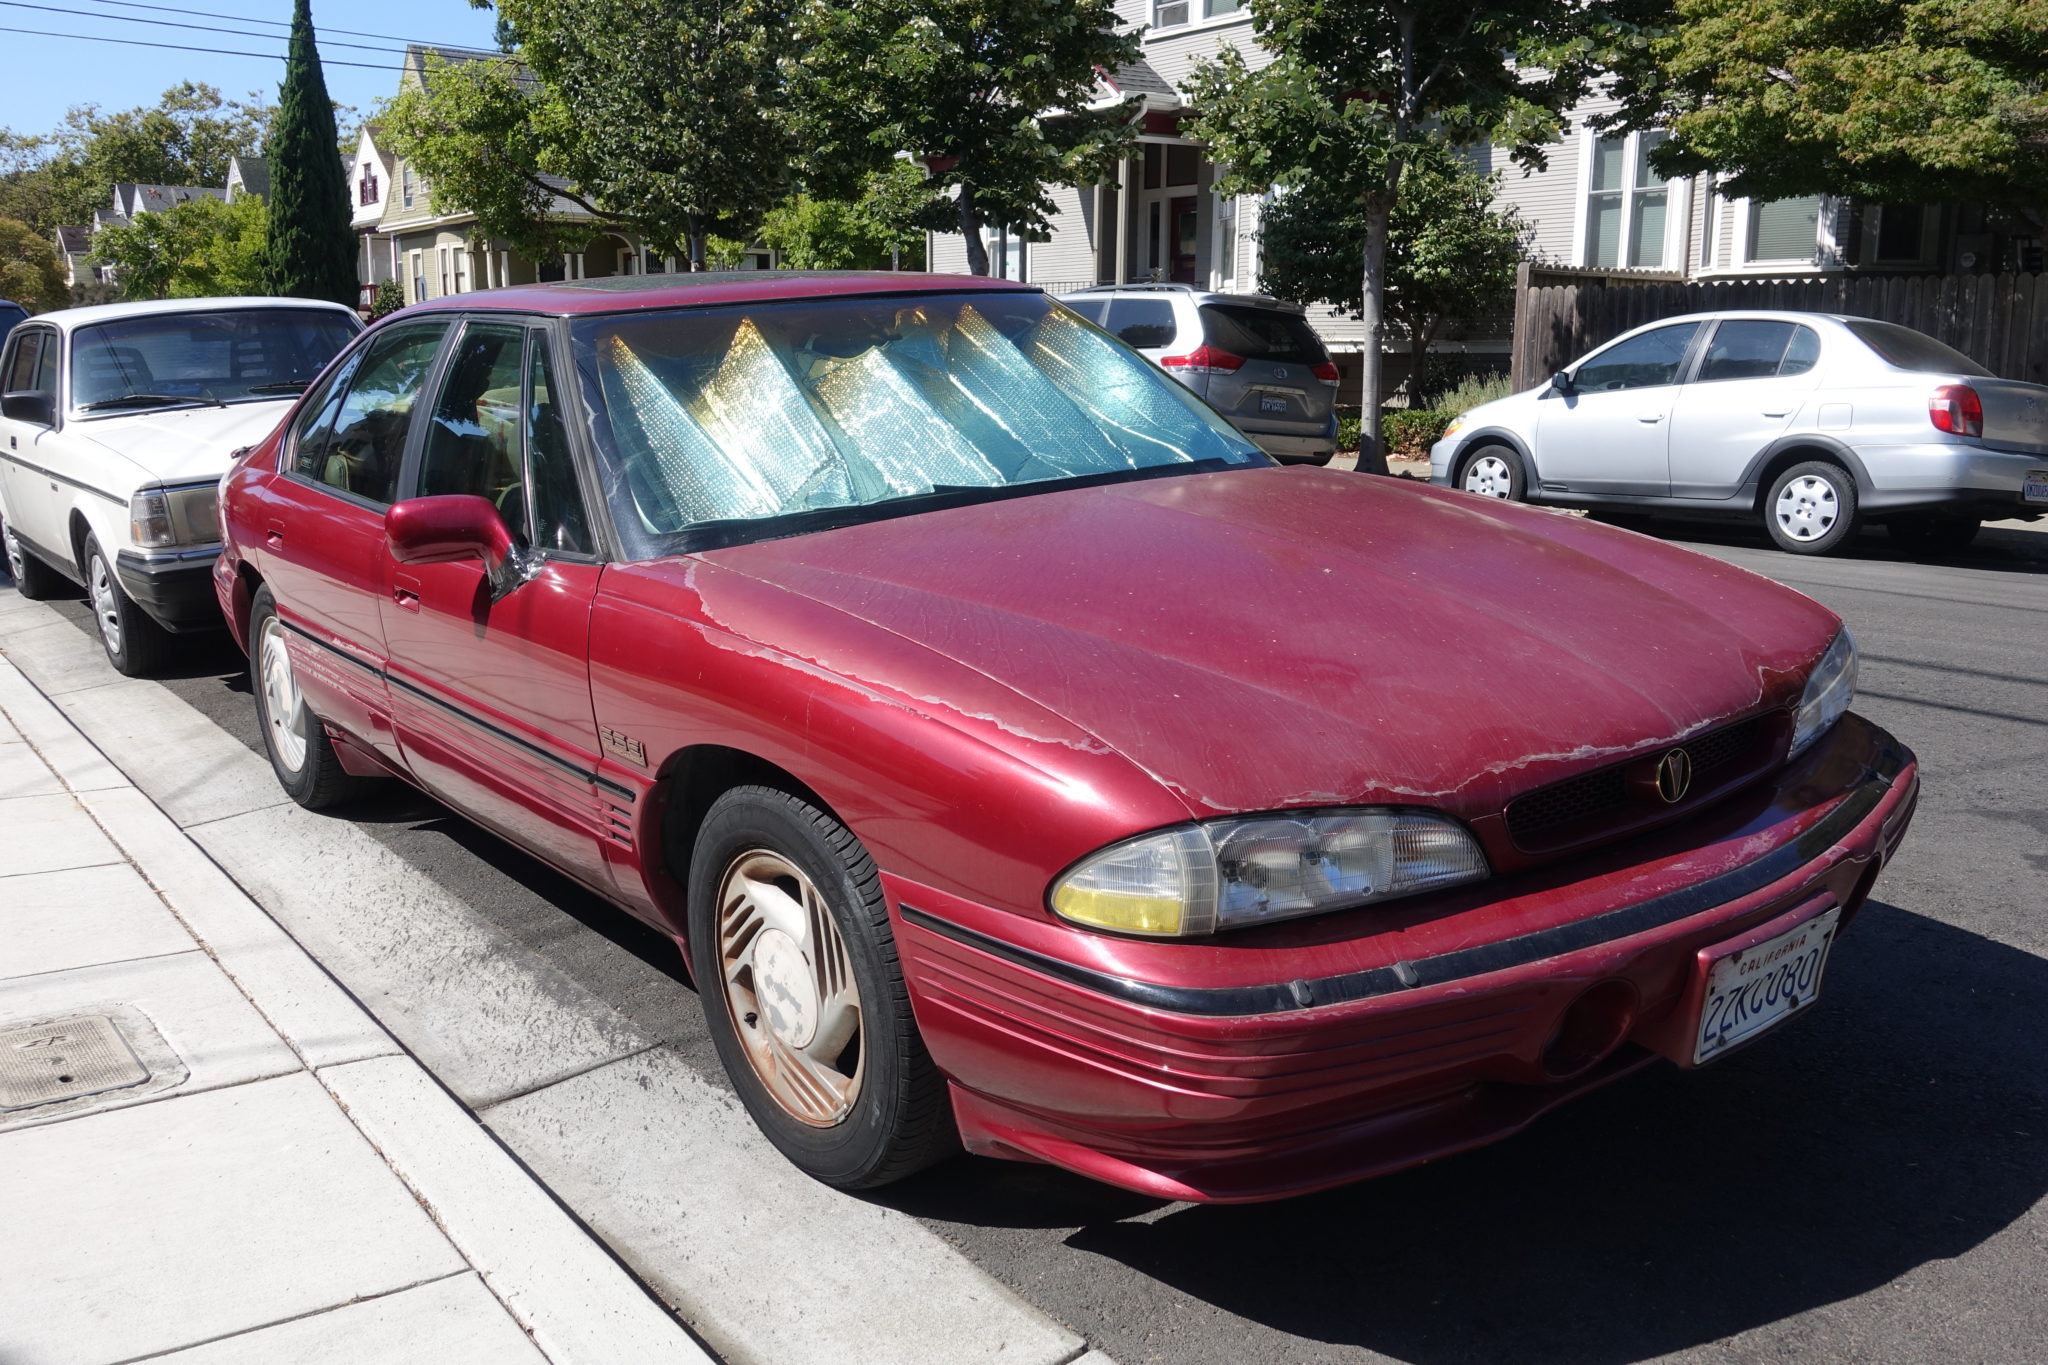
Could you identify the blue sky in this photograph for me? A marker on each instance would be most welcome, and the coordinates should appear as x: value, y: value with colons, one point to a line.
x: 43, y: 76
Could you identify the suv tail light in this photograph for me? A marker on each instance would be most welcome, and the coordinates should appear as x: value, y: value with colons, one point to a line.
x: 1956, y: 408
x: 1327, y: 372
x: 1204, y: 360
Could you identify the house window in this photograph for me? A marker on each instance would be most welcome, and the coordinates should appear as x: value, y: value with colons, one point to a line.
x: 405, y: 185
x: 1171, y: 13
x: 1626, y: 203
x: 447, y: 280
x: 1006, y: 255
x: 1226, y: 243
x: 1901, y: 234
x: 1784, y: 230
x: 367, y: 193
x: 460, y: 259
x: 419, y: 276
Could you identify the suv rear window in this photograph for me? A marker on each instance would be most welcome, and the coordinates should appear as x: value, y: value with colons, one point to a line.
x: 1911, y: 350
x: 1262, y: 334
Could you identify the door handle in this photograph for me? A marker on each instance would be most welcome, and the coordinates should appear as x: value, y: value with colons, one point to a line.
x: 405, y: 591
x: 1778, y: 414
x: 273, y: 534
x: 1652, y: 418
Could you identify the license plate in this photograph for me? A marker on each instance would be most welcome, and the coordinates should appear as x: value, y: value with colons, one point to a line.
x: 1754, y: 989
x: 2037, y: 485
x: 1280, y: 405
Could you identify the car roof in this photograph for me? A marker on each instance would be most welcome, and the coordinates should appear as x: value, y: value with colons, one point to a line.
x: 1194, y: 292
x: 72, y: 318
x: 707, y: 289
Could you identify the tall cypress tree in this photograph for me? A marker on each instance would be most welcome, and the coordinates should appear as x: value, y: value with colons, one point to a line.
x: 311, y: 251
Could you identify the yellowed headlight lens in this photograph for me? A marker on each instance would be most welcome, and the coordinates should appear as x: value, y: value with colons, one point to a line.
x: 1119, y: 912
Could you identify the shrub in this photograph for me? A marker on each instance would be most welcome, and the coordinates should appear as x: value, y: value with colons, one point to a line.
x: 1349, y: 424
x: 390, y: 298
x: 1412, y: 431
x: 1470, y: 392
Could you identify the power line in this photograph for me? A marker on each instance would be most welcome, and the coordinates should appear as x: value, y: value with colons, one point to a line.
x: 271, y: 23
x: 182, y: 47
x: 203, y: 28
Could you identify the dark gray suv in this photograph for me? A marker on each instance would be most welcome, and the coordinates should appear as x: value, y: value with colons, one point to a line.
x: 1255, y: 359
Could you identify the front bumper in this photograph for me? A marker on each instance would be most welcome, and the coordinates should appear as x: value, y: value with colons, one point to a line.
x: 1960, y: 477
x: 1223, y: 1090
x: 175, y: 587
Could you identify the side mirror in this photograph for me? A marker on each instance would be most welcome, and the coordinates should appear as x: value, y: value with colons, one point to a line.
x: 447, y: 530
x: 28, y: 405
x: 1561, y: 384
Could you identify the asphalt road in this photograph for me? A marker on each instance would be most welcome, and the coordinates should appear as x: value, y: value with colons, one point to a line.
x: 1869, y: 1185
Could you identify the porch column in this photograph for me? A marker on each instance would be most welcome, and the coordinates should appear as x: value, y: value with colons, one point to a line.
x: 1205, y: 225
x: 1126, y: 215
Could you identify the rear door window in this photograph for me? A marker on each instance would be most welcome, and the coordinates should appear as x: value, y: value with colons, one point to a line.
x: 1144, y: 323
x: 1262, y: 334
x: 1747, y: 348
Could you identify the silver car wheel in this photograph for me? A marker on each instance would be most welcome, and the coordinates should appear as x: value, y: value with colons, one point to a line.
x: 283, y: 706
x: 106, y: 602
x: 1808, y: 508
x: 789, y: 986
x: 1489, y: 476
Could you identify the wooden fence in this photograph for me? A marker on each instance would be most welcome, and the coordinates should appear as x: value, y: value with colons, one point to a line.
x: 2000, y: 321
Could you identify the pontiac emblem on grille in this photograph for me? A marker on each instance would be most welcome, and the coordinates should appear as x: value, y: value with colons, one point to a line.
x: 1674, y: 776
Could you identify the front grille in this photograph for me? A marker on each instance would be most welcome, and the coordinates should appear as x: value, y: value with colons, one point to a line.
x: 1599, y: 802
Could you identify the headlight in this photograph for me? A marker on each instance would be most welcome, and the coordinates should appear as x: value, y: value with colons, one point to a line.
x: 161, y: 518
x: 1225, y: 874
x: 1828, y: 692
x: 1457, y: 424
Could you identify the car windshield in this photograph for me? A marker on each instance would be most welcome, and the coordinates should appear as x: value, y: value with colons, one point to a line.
x: 1907, y: 349
x: 734, y: 424
x: 230, y: 355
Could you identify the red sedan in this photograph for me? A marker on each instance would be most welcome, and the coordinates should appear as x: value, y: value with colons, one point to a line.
x: 1025, y: 761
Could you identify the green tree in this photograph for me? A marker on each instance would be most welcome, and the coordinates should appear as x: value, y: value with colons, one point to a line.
x: 1359, y: 89
x: 30, y: 274
x: 310, y: 252
x: 1450, y: 253
x: 666, y: 118
x: 876, y: 230
x: 992, y: 97
x: 205, y: 248
x: 1900, y: 101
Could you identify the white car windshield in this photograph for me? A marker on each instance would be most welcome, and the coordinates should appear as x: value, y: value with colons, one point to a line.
x: 782, y: 417
x: 225, y: 356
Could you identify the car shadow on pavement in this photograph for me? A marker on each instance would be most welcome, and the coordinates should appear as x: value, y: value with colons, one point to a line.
x: 2010, y: 549
x: 1904, y: 1121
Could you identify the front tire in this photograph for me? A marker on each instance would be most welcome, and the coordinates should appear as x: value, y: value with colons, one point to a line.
x: 136, y: 645
x: 1811, y: 508
x: 801, y: 988
x: 1495, y: 472
x: 33, y: 579
x: 300, y: 753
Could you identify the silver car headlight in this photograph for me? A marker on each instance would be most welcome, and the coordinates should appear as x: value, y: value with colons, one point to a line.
x: 167, y: 518
x: 1225, y: 874
x: 1829, y: 690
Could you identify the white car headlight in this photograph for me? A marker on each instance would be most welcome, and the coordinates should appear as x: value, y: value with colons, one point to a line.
x: 1829, y: 690
x: 1225, y: 874
x: 162, y: 518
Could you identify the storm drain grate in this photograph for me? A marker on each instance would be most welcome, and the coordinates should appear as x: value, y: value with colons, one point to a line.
x: 64, y: 1059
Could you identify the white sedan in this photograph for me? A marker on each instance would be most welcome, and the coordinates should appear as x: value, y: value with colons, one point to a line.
x: 1810, y: 423
x: 116, y: 424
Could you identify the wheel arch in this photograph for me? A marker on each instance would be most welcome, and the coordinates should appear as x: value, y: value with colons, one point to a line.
x: 1781, y: 454
x: 1487, y: 436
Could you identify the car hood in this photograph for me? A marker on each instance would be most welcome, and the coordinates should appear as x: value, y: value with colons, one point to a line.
x: 1291, y: 637
x: 184, y: 445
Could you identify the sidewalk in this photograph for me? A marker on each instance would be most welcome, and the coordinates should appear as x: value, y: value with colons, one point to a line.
x: 210, y: 1153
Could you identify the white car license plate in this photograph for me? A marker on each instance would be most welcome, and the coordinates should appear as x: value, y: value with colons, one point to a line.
x: 1757, y: 988
x: 1280, y: 405
x: 2037, y: 485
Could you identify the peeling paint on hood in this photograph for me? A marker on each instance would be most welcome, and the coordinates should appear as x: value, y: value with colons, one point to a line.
x: 1285, y: 637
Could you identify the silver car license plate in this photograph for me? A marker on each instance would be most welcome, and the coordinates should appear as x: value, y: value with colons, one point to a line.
x: 2037, y: 485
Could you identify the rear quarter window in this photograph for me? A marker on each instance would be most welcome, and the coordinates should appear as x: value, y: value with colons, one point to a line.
x: 1146, y: 324
x: 1262, y: 334
x: 1907, y: 349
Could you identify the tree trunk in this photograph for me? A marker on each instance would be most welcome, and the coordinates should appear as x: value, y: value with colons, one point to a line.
x: 970, y: 228
x: 1419, y: 339
x: 1372, y: 457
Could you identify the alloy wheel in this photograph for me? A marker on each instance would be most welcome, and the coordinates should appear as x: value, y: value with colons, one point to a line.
x: 790, y: 988
x: 1490, y: 476
x: 1807, y: 508
x: 283, y: 707
x: 106, y: 603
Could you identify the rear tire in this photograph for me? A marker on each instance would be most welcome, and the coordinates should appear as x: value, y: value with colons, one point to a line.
x: 300, y: 753
x: 804, y: 996
x: 1811, y: 508
x: 136, y: 645
x: 33, y: 579
x: 1494, y: 471
x: 1934, y: 534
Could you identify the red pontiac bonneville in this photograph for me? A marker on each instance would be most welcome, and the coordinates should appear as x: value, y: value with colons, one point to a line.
x: 1021, y: 758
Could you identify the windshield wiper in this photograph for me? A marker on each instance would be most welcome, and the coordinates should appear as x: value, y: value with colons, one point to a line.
x: 282, y: 386
x: 130, y: 400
